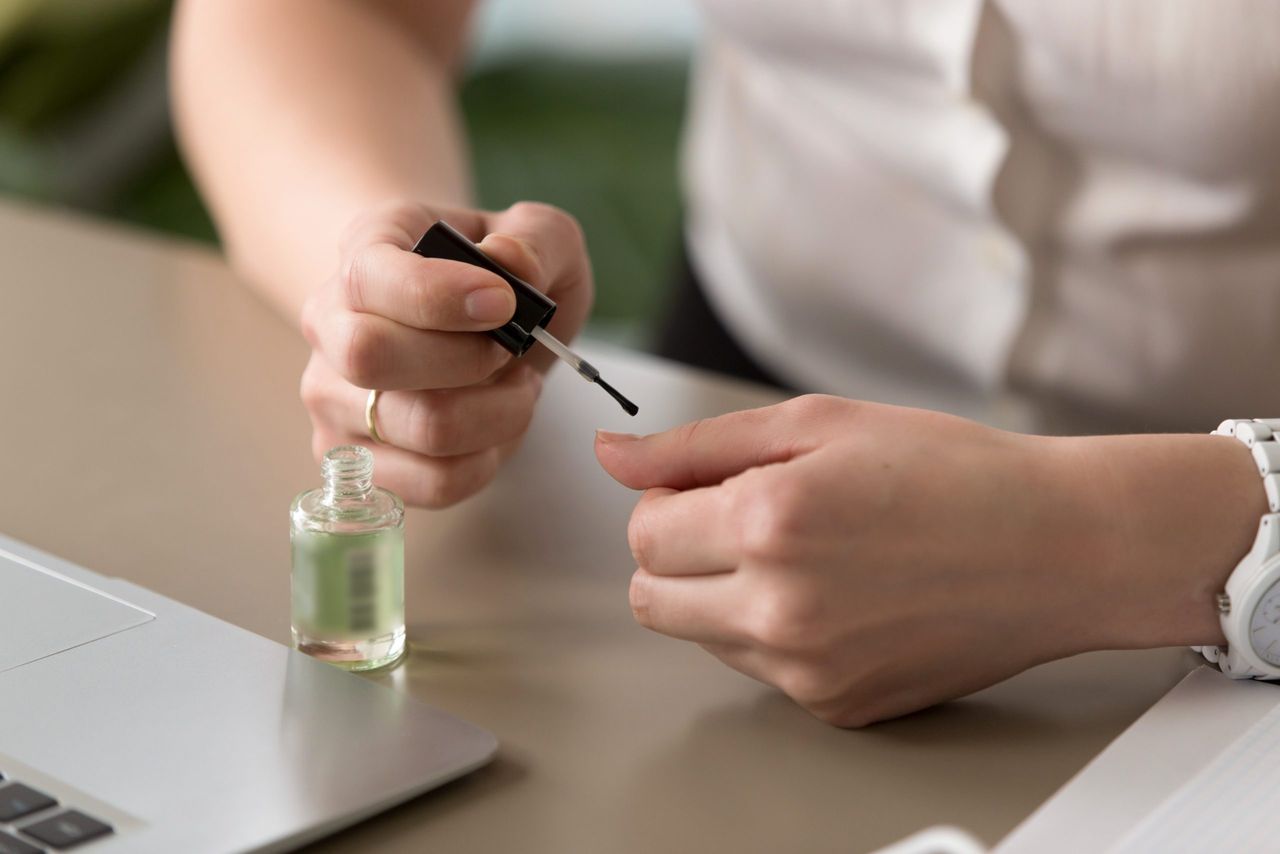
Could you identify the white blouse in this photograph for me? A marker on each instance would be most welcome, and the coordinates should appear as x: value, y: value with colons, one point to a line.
x: 1061, y: 214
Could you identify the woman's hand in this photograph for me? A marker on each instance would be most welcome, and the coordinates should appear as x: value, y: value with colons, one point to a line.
x: 454, y: 403
x: 871, y: 560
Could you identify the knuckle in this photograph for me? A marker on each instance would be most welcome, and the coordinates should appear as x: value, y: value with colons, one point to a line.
x: 357, y: 276
x: 556, y: 220
x: 311, y: 388
x: 639, y: 537
x: 360, y: 353
x: 638, y: 596
x: 539, y: 210
x: 786, y: 620
x: 808, y: 407
x: 566, y: 224
x: 775, y: 622
x: 687, y: 431
x: 774, y: 518
x: 427, y: 299
x: 435, y: 424
x: 529, y: 263
x: 686, y: 434
x: 310, y: 320
x: 525, y: 208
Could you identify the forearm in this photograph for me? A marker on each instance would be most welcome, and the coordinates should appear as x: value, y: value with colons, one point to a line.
x: 290, y: 131
x: 1173, y: 514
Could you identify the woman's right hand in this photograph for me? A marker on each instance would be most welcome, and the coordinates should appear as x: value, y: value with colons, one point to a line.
x: 454, y: 403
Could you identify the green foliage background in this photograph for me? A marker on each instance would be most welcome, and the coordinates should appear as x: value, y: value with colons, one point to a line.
x: 596, y: 138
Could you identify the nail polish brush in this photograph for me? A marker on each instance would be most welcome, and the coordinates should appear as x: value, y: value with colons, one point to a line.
x: 533, y: 308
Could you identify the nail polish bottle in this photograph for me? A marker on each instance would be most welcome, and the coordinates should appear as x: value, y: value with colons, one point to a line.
x: 348, y: 565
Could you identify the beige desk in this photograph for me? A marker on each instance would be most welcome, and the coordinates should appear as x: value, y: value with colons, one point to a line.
x: 151, y: 430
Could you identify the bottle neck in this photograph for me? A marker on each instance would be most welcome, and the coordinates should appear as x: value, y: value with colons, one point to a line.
x: 348, y: 473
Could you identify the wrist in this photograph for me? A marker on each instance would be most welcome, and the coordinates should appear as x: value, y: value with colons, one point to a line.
x: 1169, y: 517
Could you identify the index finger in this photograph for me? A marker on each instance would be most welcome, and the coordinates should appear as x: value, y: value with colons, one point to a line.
x: 706, y: 452
x: 401, y: 225
x: 539, y: 243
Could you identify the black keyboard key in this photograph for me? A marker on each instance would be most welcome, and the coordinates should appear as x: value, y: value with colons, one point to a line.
x: 9, y: 845
x: 17, y: 800
x: 67, y: 829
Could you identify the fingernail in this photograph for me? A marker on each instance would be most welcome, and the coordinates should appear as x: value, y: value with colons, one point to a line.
x: 608, y: 438
x: 490, y: 305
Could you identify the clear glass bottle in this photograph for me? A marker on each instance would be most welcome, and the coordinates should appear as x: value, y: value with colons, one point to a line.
x: 348, y: 565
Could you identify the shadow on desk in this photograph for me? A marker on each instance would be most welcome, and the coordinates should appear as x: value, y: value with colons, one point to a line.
x: 956, y: 763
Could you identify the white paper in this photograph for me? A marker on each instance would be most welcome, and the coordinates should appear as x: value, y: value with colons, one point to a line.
x: 1230, y: 805
x: 1211, y: 743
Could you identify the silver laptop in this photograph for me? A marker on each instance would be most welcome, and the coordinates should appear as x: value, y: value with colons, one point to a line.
x: 130, y: 722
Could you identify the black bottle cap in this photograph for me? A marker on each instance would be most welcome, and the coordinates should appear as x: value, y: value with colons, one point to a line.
x: 533, y: 308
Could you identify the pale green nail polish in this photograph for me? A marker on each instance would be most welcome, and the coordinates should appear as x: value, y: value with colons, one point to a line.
x: 348, y: 566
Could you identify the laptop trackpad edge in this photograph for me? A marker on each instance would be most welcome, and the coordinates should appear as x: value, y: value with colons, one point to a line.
x: 43, y: 613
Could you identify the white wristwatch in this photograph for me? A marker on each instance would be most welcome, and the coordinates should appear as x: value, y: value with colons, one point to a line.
x: 1250, y: 606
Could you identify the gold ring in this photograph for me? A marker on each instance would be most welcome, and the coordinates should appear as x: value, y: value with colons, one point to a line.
x: 369, y: 421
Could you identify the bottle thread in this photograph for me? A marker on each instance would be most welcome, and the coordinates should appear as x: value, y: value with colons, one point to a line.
x: 348, y: 473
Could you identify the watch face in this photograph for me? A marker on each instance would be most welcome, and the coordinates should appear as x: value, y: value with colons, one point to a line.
x: 1264, y: 626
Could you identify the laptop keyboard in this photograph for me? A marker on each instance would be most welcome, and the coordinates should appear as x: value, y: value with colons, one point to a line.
x: 32, y: 822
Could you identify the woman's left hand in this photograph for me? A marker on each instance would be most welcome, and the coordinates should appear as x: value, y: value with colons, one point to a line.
x: 871, y: 560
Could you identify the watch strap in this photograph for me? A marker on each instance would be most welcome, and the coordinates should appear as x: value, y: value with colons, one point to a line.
x: 1262, y: 437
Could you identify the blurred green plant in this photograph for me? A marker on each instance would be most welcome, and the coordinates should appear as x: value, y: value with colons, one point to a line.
x: 73, y: 103
x: 83, y: 123
x: 59, y: 55
x: 598, y: 140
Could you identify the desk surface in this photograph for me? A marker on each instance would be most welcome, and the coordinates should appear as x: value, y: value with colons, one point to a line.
x: 152, y: 430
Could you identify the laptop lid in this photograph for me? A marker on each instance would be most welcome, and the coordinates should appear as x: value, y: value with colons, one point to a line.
x: 189, y: 734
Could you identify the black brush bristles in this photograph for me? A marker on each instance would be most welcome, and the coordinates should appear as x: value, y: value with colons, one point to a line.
x: 628, y: 406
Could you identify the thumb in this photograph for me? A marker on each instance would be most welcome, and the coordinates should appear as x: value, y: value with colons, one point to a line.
x: 702, y: 453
